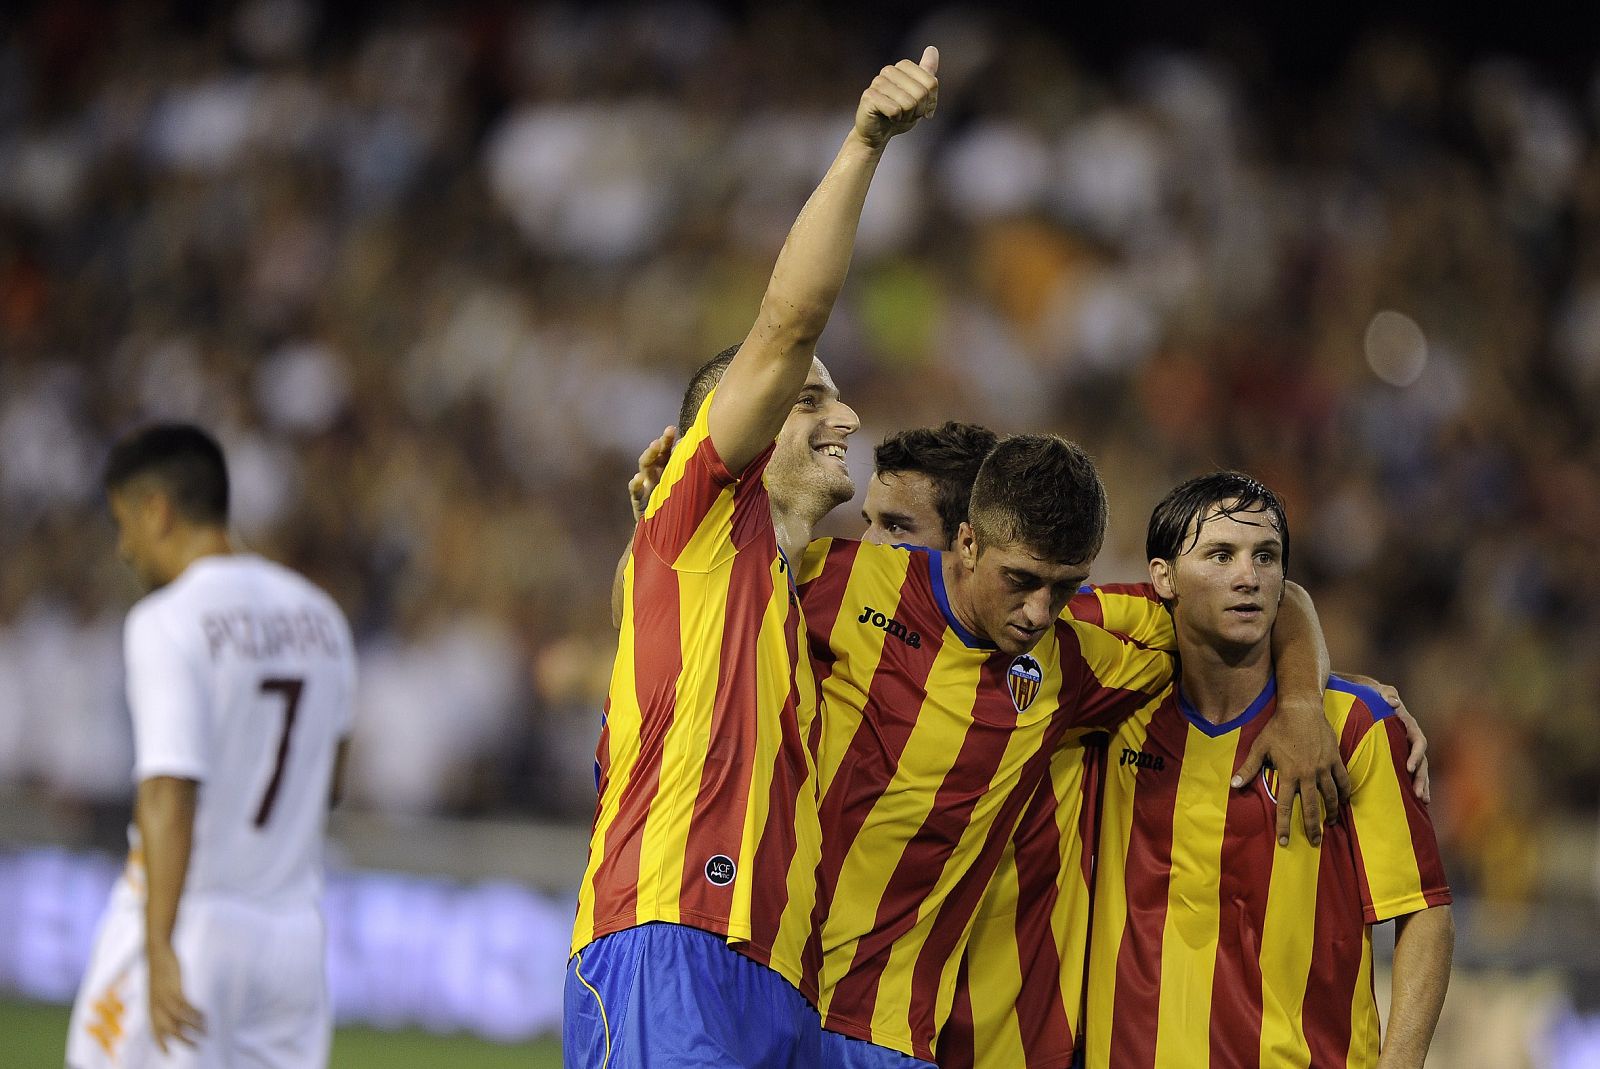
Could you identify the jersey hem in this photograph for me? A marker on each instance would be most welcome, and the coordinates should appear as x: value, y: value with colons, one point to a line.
x: 856, y: 1030
x: 1400, y: 907
x: 737, y: 939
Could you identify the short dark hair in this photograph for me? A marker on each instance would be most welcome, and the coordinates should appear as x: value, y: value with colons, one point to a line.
x: 949, y: 455
x: 183, y: 460
x: 1169, y: 523
x: 701, y: 383
x: 1043, y: 492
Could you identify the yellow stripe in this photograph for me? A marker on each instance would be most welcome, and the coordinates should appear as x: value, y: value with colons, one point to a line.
x: 623, y: 720
x: 702, y: 604
x: 1378, y: 813
x: 1287, y: 935
x: 1189, y: 939
x: 895, y: 987
x: 994, y: 971
x: 1122, y: 665
x: 1145, y: 621
x: 605, y: 1021
x: 1069, y: 920
x: 876, y: 579
x: 1364, y: 1040
x: 1111, y: 898
x: 898, y: 812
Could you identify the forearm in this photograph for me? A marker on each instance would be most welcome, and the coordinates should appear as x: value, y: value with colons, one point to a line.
x: 816, y: 255
x: 1424, y: 945
x: 164, y: 813
x: 1299, y: 652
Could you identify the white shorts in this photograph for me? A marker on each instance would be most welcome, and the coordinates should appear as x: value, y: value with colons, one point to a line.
x: 258, y: 976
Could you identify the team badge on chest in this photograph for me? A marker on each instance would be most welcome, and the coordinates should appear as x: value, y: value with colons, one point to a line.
x: 1023, y: 679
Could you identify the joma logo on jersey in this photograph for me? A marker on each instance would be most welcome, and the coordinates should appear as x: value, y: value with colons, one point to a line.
x: 1140, y: 759
x: 889, y: 626
x: 1023, y: 679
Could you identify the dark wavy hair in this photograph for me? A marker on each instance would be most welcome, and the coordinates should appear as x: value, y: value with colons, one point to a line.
x: 949, y: 455
x: 1043, y: 492
x: 1166, y: 537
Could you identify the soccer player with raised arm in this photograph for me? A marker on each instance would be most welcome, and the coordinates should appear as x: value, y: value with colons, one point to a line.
x: 241, y: 681
x: 1209, y: 945
x: 693, y: 944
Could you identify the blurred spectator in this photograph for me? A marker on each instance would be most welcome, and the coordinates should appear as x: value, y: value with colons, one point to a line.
x: 435, y: 278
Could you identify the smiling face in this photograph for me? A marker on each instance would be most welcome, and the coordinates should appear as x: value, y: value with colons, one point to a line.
x: 902, y: 508
x: 1226, y: 586
x: 807, y: 472
x: 1010, y: 594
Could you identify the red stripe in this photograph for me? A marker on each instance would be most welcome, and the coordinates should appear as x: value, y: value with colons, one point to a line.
x: 893, y: 700
x: 956, y: 1049
x: 1335, y: 953
x: 1132, y: 590
x: 823, y: 596
x: 1096, y: 762
x: 1424, y: 845
x: 925, y: 857
x: 1248, y: 851
x: 670, y: 528
x: 1043, y: 1020
x: 657, y: 662
x: 1087, y: 607
x: 778, y: 843
x: 716, y: 825
x: 1145, y: 884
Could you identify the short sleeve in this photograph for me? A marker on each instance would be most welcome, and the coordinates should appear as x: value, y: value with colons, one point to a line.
x: 700, y: 513
x: 167, y: 700
x: 1393, y: 840
x: 1132, y: 610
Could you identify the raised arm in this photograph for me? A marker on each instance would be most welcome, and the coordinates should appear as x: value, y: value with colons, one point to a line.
x: 1424, y: 943
x: 761, y: 384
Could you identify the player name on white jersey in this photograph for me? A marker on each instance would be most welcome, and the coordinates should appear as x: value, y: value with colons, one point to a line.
x: 268, y: 635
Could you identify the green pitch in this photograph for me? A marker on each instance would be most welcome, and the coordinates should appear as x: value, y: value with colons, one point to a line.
x: 36, y: 1035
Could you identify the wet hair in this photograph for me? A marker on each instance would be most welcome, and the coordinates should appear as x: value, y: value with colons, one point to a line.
x: 1042, y: 492
x: 949, y: 456
x: 180, y: 459
x: 1167, y: 537
x: 701, y: 383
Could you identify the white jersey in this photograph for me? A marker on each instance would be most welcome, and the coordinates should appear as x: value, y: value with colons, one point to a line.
x: 241, y: 675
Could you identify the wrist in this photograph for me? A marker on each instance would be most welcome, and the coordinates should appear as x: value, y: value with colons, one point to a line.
x: 860, y: 144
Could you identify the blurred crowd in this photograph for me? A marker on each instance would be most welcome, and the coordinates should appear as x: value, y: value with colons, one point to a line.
x: 436, y: 276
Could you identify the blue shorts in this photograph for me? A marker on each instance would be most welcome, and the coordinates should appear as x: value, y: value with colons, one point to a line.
x: 847, y: 1052
x: 667, y: 996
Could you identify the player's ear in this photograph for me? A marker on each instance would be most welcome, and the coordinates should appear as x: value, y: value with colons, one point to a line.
x: 1161, y: 578
x: 158, y: 514
x: 967, y: 546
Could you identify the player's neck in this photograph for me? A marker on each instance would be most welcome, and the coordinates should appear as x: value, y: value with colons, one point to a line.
x: 793, y: 528
x: 1219, y: 683
x: 958, y: 593
x: 190, y: 544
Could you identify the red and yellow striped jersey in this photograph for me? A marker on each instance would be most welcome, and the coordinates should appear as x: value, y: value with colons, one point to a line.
x: 1019, y: 994
x: 1212, y: 945
x: 933, y: 741
x: 707, y: 811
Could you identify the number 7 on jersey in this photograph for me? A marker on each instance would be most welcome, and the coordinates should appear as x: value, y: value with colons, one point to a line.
x: 290, y: 690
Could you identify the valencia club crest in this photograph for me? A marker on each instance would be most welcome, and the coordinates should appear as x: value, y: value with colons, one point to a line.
x: 1023, y: 679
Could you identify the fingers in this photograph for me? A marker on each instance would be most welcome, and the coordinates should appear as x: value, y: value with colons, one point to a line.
x: 1252, y: 765
x: 1328, y: 787
x: 176, y: 1021
x: 930, y: 60
x: 1420, y: 785
x: 1285, y: 817
x: 1341, y: 779
x: 1310, y: 811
